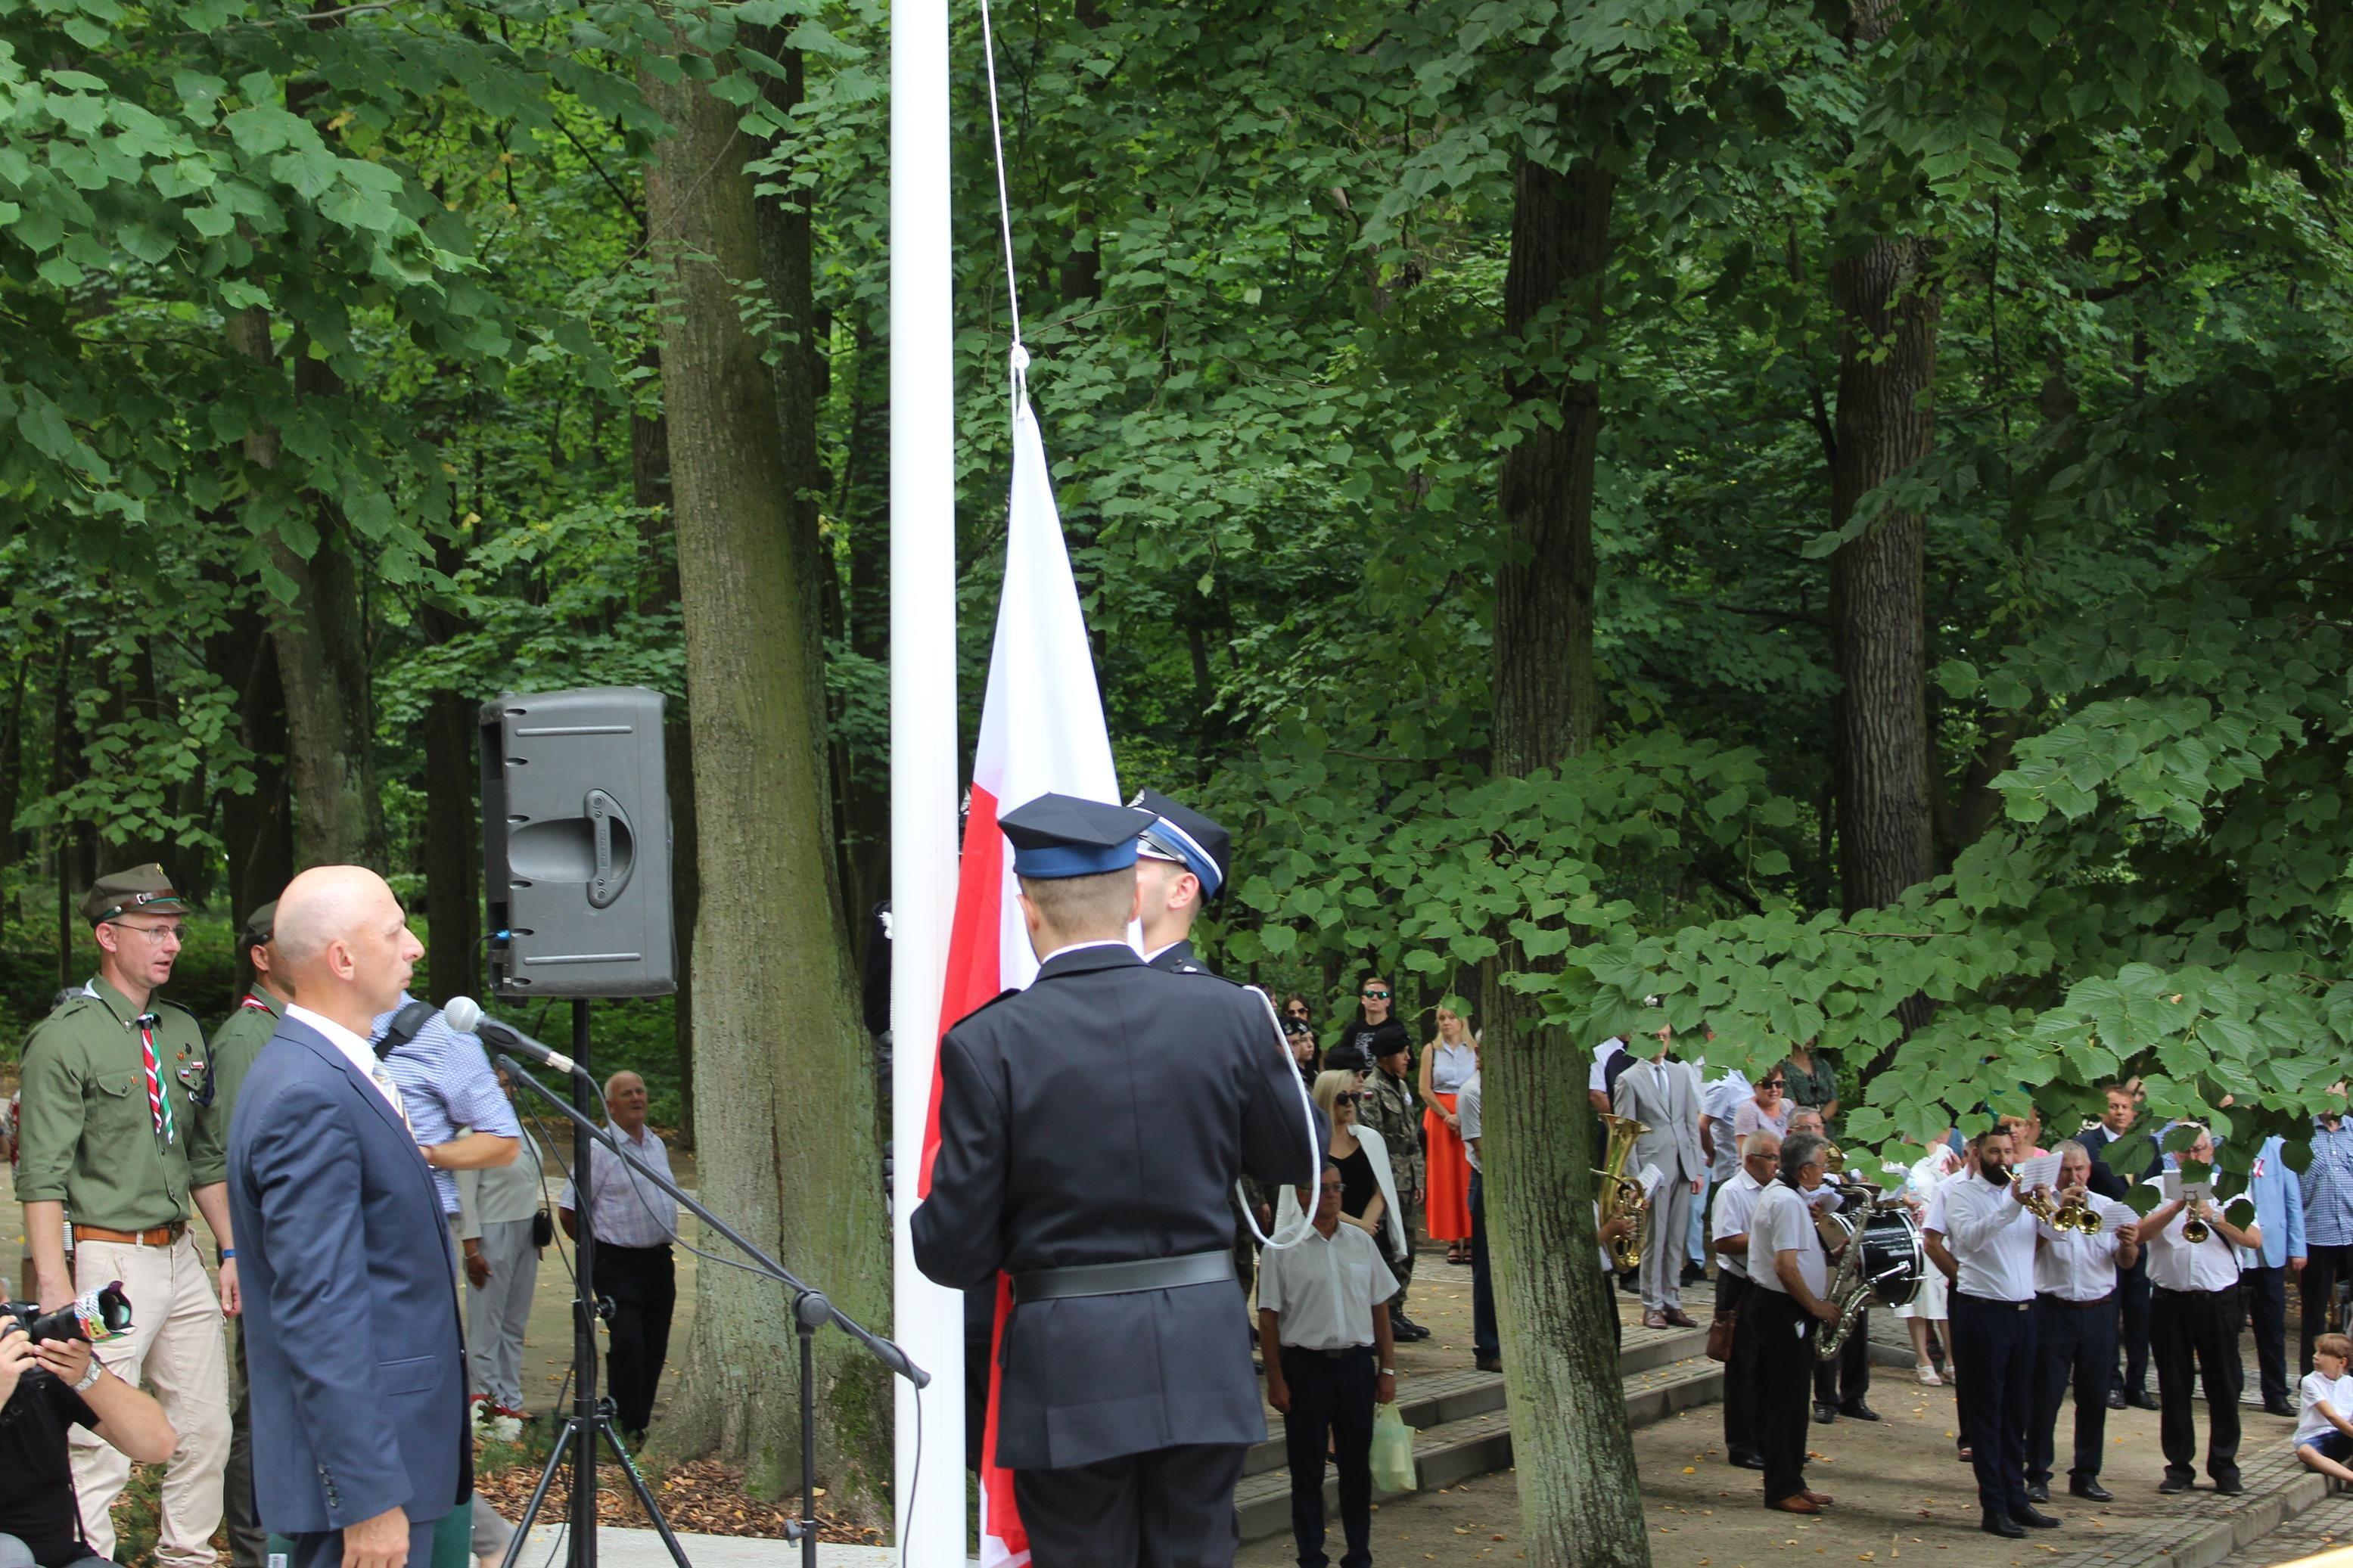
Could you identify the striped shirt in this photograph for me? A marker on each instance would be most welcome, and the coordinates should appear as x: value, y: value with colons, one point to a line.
x: 445, y: 1082
x: 627, y: 1210
x: 2328, y: 1185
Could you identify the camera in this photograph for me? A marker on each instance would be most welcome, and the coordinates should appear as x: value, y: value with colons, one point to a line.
x: 97, y: 1316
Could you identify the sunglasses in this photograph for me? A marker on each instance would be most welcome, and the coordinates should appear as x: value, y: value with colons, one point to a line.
x: 1347, y: 1096
x: 1775, y: 1083
x: 1374, y: 996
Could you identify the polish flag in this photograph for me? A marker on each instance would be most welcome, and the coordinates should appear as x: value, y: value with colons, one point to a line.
x: 1041, y: 730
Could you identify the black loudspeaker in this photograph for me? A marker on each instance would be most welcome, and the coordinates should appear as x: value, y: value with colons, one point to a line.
x: 575, y: 844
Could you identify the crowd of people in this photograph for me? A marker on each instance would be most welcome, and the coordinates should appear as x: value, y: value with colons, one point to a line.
x: 123, y: 1136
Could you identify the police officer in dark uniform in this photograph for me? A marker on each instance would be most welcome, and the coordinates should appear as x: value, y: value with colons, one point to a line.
x: 1090, y: 1129
x: 1180, y: 844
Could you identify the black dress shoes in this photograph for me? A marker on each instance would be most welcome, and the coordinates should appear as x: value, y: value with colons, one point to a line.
x: 2002, y: 1525
x: 2230, y: 1486
x: 2140, y: 1399
x: 1746, y: 1461
x: 2279, y: 1407
x: 2034, y: 1519
x: 2037, y: 1492
x: 2172, y: 1484
x: 2115, y: 1399
x: 2090, y: 1491
x: 1858, y: 1411
x: 1824, y: 1414
x: 1404, y: 1328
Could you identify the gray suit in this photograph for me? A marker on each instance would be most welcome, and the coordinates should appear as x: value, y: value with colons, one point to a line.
x: 1664, y: 1096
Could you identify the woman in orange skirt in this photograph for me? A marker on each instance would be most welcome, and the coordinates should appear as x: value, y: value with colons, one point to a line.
x: 1446, y: 1063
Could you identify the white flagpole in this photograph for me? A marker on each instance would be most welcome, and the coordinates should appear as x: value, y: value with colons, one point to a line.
x: 926, y: 1321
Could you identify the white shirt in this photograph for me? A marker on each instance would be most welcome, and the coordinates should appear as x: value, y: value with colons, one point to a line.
x: 1721, y: 1105
x: 1323, y: 1291
x: 1450, y: 1065
x: 1733, y: 1205
x: 1992, y: 1238
x: 355, y: 1050
x: 1468, y: 1100
x: 2175, y: 1263
x: 1597, y: 1082
x: 2074, y: 1266
x: 625, y: 1209
x: 1783, y: 1221
x: 1078, y: 946
x: 2310, y: 1424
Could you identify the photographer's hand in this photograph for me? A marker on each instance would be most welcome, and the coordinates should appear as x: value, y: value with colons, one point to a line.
x: 67, y: 1360
x: 16, y: 1358
x: 378, y: 1543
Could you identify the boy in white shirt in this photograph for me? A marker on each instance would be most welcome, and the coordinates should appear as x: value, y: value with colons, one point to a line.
x: 2324, y: 1435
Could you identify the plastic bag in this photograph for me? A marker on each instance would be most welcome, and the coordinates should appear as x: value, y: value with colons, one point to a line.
x: 1392, y: 1450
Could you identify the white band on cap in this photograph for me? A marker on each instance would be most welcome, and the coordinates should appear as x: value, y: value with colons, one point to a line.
x: 1162, y: 824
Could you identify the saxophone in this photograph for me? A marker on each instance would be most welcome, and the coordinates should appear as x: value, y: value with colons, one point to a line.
x: 1621, y: 1193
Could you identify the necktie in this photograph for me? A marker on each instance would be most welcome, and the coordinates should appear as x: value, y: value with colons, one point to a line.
x: 392, y: 1093
x: 159, y: 1104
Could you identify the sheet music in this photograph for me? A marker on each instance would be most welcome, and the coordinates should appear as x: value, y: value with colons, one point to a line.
x: 2040, y: 1170
x: 1650, y: 1176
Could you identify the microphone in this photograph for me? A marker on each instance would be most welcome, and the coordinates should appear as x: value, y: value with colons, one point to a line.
x: 465, y: 1015
x: 405, y: 1025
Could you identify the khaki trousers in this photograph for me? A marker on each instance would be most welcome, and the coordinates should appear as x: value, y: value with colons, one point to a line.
x: 174, y: 1351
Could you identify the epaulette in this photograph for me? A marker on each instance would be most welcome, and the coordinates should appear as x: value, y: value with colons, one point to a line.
x: 1212, y: 973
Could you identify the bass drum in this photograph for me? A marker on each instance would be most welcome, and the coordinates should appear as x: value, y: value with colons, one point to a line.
x: 1894, y: 1260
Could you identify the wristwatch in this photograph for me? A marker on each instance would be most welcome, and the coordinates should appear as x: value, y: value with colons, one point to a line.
x: 89, y: 1378
x: 1386, y: 1371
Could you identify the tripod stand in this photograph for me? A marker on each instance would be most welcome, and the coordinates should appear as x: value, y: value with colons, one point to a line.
x: 589, y: 1422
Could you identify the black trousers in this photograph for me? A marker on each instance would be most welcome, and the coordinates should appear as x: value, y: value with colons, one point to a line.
x: 1484, y: 1341
x: 2200, y: 1327
x: 2262, y: 1297
x: 1845, y: 1378
x: 1331, y: 1405
x: 2076, y: 1346
x: 642, y: 1284
x: 1785, y: 1371
x: 1994, y: 1343
x: 1166, y: 1508
x: 1734, y: 1294
x: 2132, y: 1336
x: 2323, y: 1267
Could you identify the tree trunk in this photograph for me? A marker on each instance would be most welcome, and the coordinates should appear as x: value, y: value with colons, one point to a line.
x: 1579, y: 1502
x: 322, y: 659
x: 775, y: 1001
x: 12, y: 769
x: 1887, y: 306
x: 865, y: 509
x: 1546, y: 694
x: 257, y: 828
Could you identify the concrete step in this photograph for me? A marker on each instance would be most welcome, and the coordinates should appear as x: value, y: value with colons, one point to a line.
x: 1473, y: 1441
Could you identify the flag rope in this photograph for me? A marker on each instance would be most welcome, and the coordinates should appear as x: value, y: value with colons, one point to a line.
x: 1020, y: 355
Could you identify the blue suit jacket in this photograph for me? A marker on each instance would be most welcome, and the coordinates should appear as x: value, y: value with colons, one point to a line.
x: 353, y: 1351
x: 2279, y: 1209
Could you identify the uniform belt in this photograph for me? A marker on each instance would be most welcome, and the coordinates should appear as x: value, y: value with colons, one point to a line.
x: 2058, y: 1300
x: 162, y: 1235
x: 1122, y: 1278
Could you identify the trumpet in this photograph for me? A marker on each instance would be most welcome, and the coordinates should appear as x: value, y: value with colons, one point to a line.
x: 2195, y: 1229
x: 1621, y: 1193
x: 2076, y: 1214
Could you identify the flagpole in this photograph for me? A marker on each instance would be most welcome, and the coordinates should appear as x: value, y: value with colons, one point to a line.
x: 927, y: 1322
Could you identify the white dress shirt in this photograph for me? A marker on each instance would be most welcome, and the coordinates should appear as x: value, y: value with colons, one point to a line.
x: 1783, y: 1221
x: 1323, y: 1290
x: 1597, y: 1079
x: 625, y: 1209
x: 2075, y: 1267
x: 1734, y: 1206
x: 1450, y: 1065
x: 1992, y: 1238
x: 355, y: 1050
x: 2176, y: 1264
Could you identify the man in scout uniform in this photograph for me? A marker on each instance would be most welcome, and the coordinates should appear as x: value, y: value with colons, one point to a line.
x: 235, y: 1043
x: 116, y: 1084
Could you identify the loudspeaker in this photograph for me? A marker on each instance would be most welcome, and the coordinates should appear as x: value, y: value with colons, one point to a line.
x: 575, y: 844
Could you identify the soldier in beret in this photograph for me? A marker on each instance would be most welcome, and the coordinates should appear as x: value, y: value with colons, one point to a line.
x: 116, y: 1084
x: 235, y: 1043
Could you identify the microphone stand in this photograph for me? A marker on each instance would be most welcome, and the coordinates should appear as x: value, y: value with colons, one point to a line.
x: 811, y: 1310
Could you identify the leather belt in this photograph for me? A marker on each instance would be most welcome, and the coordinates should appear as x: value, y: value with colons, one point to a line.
x: 1123, y: 1278
x: 162, y: 1235
x: 2108, y: 1299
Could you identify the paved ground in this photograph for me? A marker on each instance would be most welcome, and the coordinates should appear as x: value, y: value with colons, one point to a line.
x: 2328, y: 1527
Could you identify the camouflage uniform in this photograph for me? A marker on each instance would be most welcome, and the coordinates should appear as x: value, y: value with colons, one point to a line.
x: 1388, y: 1110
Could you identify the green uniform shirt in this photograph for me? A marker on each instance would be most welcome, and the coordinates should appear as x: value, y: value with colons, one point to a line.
x: 86, y: 1136
x: 235, y: 1043
x: 1388, y: 1109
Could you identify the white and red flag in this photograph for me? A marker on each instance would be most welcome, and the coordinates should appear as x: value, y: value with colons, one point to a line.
x: 1041, y: 729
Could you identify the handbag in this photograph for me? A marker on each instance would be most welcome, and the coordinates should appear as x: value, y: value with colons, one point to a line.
x: 1719, y: 1335
x: 1392, y: 1450
x: 542, y: 1230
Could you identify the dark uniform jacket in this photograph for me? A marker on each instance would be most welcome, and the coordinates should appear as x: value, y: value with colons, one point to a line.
x: 1102, y: 1116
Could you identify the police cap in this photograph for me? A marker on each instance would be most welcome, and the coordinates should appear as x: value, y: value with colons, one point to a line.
x: 142, y: 888
x: 1186, y: 837
x: 1058, y: 835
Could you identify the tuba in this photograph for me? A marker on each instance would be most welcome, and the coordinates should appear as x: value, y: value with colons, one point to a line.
x: 1621, y: 1193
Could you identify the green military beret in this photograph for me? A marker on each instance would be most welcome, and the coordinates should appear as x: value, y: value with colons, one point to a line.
x: 258, y: 924
x: 129, y: 892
